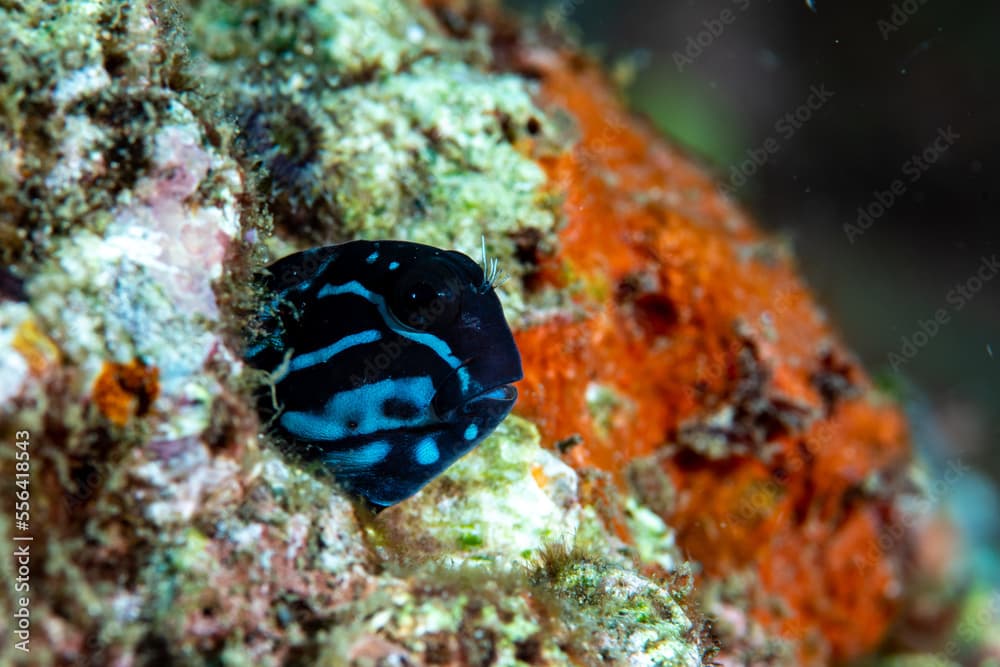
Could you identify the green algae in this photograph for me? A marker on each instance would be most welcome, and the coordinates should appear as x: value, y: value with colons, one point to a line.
x: 374, y: 123
x: 567, y: 607
x: 341, y: 119
x: 487, y: 625
x: 507, y: 497
x: 606, y: 405
x: 930, y: 660
x: 82, y: 85
x: 628, y: 616
x: 654, y: 540
x: 505, y: 519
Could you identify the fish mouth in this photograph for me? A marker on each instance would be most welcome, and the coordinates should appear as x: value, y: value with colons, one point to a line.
x: 504, y: 394
x: 500, y: 398
x: 452, y: 396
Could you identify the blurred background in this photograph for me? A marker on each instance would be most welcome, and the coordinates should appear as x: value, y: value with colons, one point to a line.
x: 866, y: 134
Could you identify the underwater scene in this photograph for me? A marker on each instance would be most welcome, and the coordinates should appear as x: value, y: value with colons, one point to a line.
x: 392, y: 333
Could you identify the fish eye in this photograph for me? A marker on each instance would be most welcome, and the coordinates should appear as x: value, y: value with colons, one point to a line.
x: 426, y: 297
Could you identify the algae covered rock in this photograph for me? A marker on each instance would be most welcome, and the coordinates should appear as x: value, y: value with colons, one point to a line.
x: 153, y: 155
x: 146, y: 149
x: 505, y: 500
x: 368, y: 120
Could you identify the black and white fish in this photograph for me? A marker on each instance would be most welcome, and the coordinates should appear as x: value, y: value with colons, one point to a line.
x: 390, y: 360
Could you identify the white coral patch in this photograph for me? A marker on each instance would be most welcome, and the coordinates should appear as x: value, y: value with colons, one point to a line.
x: 143, y: 288
x: 81, y: 83
x: 186, y: 483
x: 13, y: 366
x: 79, y: 154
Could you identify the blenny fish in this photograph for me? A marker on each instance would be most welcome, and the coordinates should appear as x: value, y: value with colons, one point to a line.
x: 389, y: 361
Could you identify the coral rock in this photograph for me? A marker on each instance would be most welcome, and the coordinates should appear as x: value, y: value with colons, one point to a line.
x: 684, y: 397
x: 716, y: 365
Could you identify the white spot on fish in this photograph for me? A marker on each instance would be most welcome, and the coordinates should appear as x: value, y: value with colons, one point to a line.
x: 362, y: 457
x: 427, y: 452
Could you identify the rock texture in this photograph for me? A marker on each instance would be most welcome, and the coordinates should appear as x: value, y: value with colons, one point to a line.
x: 692, y: 440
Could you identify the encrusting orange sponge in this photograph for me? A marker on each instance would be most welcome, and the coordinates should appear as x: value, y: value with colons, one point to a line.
x: 692, y: 344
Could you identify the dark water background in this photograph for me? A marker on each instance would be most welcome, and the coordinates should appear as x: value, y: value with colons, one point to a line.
x: 884, y: 178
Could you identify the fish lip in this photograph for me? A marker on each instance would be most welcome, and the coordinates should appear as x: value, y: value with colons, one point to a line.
x: 508, y: 394
x: 450, y: 396
x: 508, y: 389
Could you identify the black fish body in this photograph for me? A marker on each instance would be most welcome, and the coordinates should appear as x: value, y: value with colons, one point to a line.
x: 390, y: 360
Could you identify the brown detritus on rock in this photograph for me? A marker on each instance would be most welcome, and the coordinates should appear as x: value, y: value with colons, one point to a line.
x: 651, y: 485
x: 835, y: 379
x: 748, y: 417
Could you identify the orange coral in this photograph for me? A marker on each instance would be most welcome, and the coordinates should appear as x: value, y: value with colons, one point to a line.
x: 124, y: 390
x: 709, y: 353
